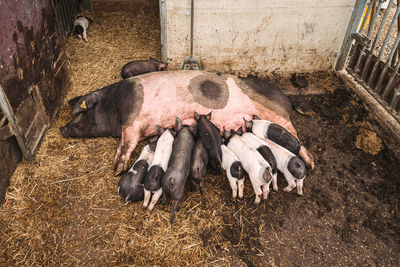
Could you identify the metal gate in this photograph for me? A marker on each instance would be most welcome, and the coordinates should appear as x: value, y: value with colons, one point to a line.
x: 65, y: 11
x: 371, y: 51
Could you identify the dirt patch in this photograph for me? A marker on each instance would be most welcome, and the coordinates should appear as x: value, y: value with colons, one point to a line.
x: 369, y: 141
x: 63, y: 208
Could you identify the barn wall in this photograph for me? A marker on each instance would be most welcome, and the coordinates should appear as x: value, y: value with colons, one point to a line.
x: 31, y: 53
x: 122, y: 5
x: 252, y: 36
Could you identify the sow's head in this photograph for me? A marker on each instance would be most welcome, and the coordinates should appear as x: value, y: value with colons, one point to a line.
x: 90, y: 118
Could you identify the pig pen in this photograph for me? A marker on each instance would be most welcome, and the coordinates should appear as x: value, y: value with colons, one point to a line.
x: 63, y: 208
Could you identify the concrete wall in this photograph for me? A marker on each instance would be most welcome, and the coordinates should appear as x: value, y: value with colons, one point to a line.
x: 258, y: 37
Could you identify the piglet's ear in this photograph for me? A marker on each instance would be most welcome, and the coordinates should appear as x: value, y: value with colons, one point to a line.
x: 239, y: 131
x: 178, y: 124
x: 196, y: 116
x: 160, y: 130
x: 209, y: 116
x: 227, y: 134
x: 255, y: 117
x: 193, y: 128
x: 248, y: 125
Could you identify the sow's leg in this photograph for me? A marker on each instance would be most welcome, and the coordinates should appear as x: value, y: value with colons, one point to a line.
x: 129, y: 139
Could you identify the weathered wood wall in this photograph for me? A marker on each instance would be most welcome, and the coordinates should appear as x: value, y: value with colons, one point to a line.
x: 123, y: 5
x: 31, y: 53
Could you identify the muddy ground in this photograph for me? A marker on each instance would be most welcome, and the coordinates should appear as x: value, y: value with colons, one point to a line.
x: 63, y: 208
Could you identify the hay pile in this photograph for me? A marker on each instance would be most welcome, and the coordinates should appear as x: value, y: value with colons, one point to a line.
x: 64, y: 208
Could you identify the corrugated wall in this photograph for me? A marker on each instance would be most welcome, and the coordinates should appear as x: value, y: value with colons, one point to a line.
x: 258, y: 37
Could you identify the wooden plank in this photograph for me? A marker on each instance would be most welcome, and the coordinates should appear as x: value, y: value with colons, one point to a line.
x: 36, y: 133
x: 5, y: 133
x: 25, y: 114
x: 8, y: 112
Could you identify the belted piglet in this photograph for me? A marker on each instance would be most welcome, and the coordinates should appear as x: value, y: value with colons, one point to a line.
x: 211, y: 140
x: 174, y: 179
x: 234, y: 171
x: 130, y: 186
x: 255, y: 165
x: 292, y: 167
x: 80, y: 27
x: 138, y: 67
x: 267, y: 154
x: 153, y: 180
x: 199, y: 165
x: 274, y: 132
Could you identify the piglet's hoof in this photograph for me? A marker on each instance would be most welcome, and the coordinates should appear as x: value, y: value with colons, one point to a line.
x: 118, y: 168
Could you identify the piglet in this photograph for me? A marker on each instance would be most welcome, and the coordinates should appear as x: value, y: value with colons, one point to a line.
x: 292, y: 167
x: 274, y: 132
x: 80, y: 27
x: 211, y: 140
x: 199, y: 165
x: 267, y: 154
x: 255, y: 165
x: 130, y: 186
x: 174, y: 179
x: 138, y: 67
x: 153, y: 180
x: 234, y: 171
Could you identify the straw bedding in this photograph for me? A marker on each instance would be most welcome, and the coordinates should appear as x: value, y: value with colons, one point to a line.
x: 63, y: 208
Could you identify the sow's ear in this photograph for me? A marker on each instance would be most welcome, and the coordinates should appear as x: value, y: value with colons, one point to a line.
x: 85, y: 103
x: 72, y: 101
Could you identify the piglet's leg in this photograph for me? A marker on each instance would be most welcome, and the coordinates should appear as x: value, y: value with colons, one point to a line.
x: 291, y: 185
x: 241, y: 187
x: 275, y: 182
x: 174, y: 210
x: 147, y: 195
x: 258, y: 192
x: 265, y: 190
x: 233, y: 185
x: 129, y: 139
x: 154, y: 199
x: 299, y: 184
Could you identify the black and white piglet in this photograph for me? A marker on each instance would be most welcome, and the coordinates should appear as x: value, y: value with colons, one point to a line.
x: 130, y: 186
x: 234, y: 171
x: 199, y: 165
x: 255, y: 165
x: 153, y: 180
x: 138, y: 67
x: 274, y: 132
x: 81, y: 25
x: 174, y: 179
x: 267, y: 154
x: 292, y: 167
x: 211, y: 140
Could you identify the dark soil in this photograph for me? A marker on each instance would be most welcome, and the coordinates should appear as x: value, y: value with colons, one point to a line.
x: 349, y: 212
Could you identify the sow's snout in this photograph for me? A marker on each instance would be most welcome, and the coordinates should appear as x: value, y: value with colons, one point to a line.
x: 66, y: 130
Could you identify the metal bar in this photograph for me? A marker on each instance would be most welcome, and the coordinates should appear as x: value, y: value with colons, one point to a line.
x: 395, y: 95
x: 7, y: 110
x: 371, y: 26
x: 385, y: 91
x: 191, y: 28
x: 378, y: 34
x: 366, y: 15
x: 384, y: 44
x: 347, y: 41
x: 376, y: 96
x: 394, y: 48
x: 163, y: 22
